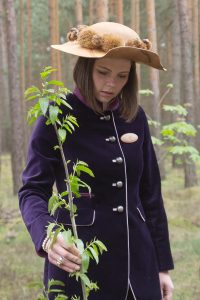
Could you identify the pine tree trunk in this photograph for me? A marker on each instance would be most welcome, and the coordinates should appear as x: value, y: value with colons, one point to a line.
x: 78, y: 12
x: 29, y: 37
x: 91, y: 11
x: 22, y: 75
x: 4, y: 92
x: 196, y: 68
x: 154, y: 77
x: 54, y: 38
x: 102, y: 10
x: 190, y: 170
x: 15, y: 103
x: 120, y: 15
x: 135, y: 25
x: 176, y: 64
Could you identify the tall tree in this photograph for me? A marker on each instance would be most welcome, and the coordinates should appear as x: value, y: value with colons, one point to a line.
x: 196, y: 65
x: 135, y: 25
x: 55, y: 37
x: 22, y: 74
x: 15, y: 102
x: 102, y: 10
x: 4, y: 90
x: 29, y: 43
x: 91, y: 11
x: 1, y: 80
x: 154, y: 74
x: 187, y: 80
x: 120, y: 15
x: 78, y: 12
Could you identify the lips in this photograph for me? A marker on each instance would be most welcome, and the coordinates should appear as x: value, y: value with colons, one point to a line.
x: 105, y: 93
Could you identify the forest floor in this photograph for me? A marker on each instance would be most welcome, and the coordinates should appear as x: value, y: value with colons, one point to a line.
x: 20, y: 268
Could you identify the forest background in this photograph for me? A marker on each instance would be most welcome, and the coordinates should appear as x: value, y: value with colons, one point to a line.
x: 27, y: 29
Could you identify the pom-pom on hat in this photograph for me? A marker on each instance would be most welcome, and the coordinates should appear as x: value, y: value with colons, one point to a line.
x: 109, y: 39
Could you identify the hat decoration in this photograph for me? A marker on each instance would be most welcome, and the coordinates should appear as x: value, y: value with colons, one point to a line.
x: 109, y: 40
x: 89, y: 39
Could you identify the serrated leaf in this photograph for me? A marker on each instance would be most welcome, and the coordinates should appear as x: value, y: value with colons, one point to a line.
x: 56, y: 82
x: 62, y: 134
x: 44, y: 103
x: 53, y: 113
x: 50, y: 228
x: 53, y: 282
x: 32, y: 97
x: 85, y: 279
x: 101, y: 246
x: 85, y: 170
x: 79, y: 245
x: 85, y: 262
x: 31, y: 90
x: 94, y: 253
x: 65, y: 193
x: 67, y: 236
x: 52, y: 200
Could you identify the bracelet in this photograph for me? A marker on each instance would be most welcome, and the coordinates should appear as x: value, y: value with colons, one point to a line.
x: 45, y: 244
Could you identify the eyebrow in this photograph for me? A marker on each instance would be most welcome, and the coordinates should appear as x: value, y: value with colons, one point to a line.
x: 110, y: 70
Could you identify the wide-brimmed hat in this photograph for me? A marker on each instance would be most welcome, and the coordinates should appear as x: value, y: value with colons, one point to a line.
x: 109, y: 39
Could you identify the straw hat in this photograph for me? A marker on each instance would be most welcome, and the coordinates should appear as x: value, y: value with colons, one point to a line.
x: 109, y: 39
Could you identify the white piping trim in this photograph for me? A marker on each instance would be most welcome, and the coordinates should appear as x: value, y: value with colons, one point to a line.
x: 141, y: 214
x: 126, y: 195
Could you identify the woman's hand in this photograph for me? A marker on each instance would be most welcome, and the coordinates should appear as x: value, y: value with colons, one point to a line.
x: 65, y: 257
x: 166, y: 285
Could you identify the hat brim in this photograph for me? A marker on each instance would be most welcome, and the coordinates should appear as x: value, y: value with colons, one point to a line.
x: 134, y: 54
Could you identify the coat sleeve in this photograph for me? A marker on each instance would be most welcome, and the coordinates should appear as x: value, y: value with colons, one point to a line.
x: 38, y: 179
x: 152, y: 201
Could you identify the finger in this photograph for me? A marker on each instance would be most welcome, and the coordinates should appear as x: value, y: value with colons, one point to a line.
x: 64, y: 265
x: 66, y: 253
x: 70, y: 248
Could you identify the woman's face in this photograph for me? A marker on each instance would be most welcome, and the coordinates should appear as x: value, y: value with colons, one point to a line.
x: 109, y: 77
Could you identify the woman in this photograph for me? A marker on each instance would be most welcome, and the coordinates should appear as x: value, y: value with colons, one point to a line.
x: 126, y: 209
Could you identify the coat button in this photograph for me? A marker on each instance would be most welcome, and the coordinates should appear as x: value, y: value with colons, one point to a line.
x: 119, y: 209
x: 106, y: 118
x: 111, y: 139
x: 118, y: 160
x: 118, y: 184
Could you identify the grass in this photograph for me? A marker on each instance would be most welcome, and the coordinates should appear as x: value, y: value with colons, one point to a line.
x: 20, y: 266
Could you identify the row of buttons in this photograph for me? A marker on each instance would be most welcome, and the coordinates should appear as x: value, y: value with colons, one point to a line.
x: 118, y: 160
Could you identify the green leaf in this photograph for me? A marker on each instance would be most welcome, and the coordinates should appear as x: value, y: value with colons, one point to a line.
x: 68, y: 128
x: 53, y: 282
x: 85, y: 170
x: 85, y: 261
x: 46, y: 73
x: 146, y: 92
x: 62, y: 134
x: 31, y: 90
x: 52, y: 200
x: 53, y: 113
x: 176, y: 109
x: 157, y: 141
x: 50, y: 228
x: 94, y: 253
x: 44, y: 103
x: 80, y: 245
x: 85, y: 279
x: 65, y: 193
x: 33, y: 97
x: 56, y: 82
x: 67, y: 236
x: 101, y: 246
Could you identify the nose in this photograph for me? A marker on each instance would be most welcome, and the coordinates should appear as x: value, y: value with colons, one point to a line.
x: 111, y: 82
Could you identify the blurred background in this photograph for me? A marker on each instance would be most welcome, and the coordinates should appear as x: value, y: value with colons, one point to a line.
x: 171, y: 100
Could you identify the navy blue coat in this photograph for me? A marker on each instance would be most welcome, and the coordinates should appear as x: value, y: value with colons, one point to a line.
x: 125, y: 211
